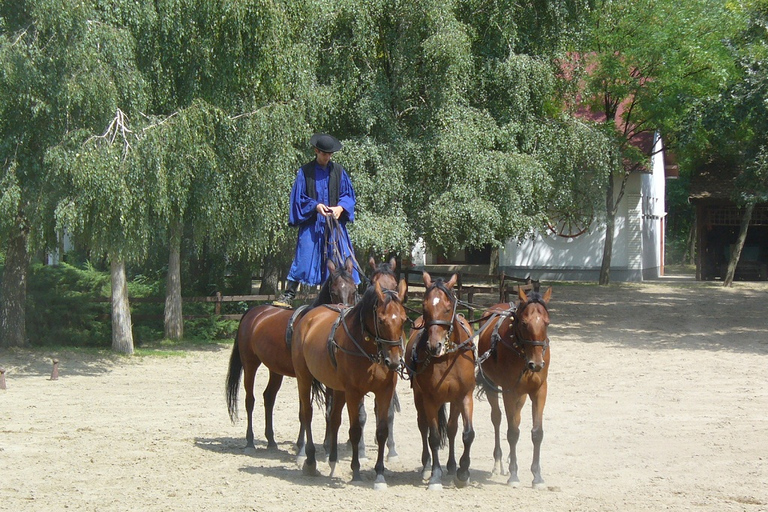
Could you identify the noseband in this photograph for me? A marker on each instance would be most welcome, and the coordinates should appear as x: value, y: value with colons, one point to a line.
x: 381, y: 343
x: 447, y: 323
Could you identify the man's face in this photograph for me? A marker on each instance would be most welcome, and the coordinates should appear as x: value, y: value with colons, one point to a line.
x: 322, y: 157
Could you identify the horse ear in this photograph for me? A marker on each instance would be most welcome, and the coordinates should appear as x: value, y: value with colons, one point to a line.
x: 392, y: 263
x: 547, y: 295
x: 349, y: 264
x: 521, y: 294
x: 331, y: 266
x: 427, y: 279
x: 452, y: 281
x: 402, y: 290
x: 372, y: 263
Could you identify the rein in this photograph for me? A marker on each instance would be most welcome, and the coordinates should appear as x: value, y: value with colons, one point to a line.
x: 332, y: 243
x: 380, y: 342
x: 517, y: 346
x: 451, y: 347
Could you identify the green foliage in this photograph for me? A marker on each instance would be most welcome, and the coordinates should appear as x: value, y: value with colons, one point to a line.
x: 62, y: 307
x: 69, y: 306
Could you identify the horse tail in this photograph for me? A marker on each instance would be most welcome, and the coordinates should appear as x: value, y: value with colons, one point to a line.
x: 233, y: 380
x: 442, y: 425
x: 318, y: 393
x: 395, y: 403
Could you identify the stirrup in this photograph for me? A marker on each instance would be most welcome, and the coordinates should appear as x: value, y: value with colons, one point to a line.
x: 284, y: 301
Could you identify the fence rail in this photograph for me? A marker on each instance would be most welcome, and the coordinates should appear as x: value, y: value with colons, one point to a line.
x: 501, y: 286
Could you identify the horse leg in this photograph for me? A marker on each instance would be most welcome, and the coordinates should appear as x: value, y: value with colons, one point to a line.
x: 453, y: 427
x: 363, y: 420
x: 305, y: 415
x: 355, y: 432
x: 467, y: 437
x: 421, y: 420
x: 249, y: 377
x: 436, y: 415
x: 270, y: 393
x: 513, y: 405
x: 391, y: 452
x: 493, y: 399
x: 537, y: 433
x: 333, y: 422
x: 383, y: 403
x: 330, y: 400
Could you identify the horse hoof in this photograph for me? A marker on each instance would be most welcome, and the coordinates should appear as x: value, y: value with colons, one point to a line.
x: 249, y: 450
x: 513, y: 483
x: 426, y: 474
x: 393, y: 458
x: 380, y: 484
x: 539, y: 486
x: 271, y: 445
x: 435, y: 487
x: 460, y: 484
x: 310, y: 470
x: 333, y: 469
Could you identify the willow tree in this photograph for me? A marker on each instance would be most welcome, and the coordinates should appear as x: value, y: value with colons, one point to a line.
x: 63, y: 67
x: 214, y: 68
x: 434, y: 111
x: 101, y: 205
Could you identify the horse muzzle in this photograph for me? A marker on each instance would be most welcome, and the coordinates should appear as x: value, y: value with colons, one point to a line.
x: 535, y: 366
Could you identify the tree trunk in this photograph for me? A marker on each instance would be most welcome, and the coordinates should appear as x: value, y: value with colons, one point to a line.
x: 610, y: 222
x: 736, y: 251
x: 690, y: 243
x: 13, y: 294
x: 122, y: 335
x: 494, y: 266
x: 174, y: 321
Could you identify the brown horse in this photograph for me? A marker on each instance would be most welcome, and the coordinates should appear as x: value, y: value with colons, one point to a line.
x: 514, y: 361
x: 352, y: 351
x: 441, y: 361
x: 384, y: 274
x: 261, y: 339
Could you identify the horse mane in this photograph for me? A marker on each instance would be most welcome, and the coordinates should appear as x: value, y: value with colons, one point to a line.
x: 383, y: 268
x: 439, y: 283
x: 324, y: 295
x: 536, y: 297
x: 368, y: 301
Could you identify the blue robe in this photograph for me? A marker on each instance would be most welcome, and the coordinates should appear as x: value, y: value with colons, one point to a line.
x: 309, y: 262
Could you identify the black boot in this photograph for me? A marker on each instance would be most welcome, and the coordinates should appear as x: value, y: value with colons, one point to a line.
x: 286, y: 299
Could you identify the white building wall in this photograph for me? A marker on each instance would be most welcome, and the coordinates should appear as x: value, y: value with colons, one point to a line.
x: 637, y: 243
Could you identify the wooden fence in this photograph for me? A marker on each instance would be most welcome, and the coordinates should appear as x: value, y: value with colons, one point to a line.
x: 468, y: 287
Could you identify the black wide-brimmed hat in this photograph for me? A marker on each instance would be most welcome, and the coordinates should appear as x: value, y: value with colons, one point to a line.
x: 325, y: 143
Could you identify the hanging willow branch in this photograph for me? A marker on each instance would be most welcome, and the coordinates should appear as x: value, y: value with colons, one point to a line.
x: 118, y: 127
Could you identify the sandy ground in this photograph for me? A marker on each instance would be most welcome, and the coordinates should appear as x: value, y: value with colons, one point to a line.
x: 658, y: 400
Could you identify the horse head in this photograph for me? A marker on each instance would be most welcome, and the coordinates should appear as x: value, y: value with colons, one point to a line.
x: 530, y: 327
x: 341, y: 284
x: 384, y: 273
x: 439, y: 312
x: 389, y: 324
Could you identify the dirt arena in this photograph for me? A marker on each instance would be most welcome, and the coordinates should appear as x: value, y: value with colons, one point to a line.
x: 658, y: 400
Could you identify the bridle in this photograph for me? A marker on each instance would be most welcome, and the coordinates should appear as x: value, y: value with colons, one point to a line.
x: 381, y: 343
x: 518, y: 346
x: 448, y: 323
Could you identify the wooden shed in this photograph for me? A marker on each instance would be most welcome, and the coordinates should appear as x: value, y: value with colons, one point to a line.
x: 718, y: 219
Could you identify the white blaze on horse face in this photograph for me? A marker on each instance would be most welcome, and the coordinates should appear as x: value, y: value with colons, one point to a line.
x: 435, y: 301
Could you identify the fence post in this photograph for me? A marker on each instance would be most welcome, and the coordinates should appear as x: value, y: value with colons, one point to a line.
x: 217, y: 307
x: 2, y: 378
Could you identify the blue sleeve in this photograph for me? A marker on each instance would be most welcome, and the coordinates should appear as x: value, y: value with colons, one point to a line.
x: 302, y: 207
x: 347, y: 197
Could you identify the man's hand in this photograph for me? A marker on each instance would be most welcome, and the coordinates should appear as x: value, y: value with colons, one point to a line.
x: 323, y: 210
x: 336, y: 211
